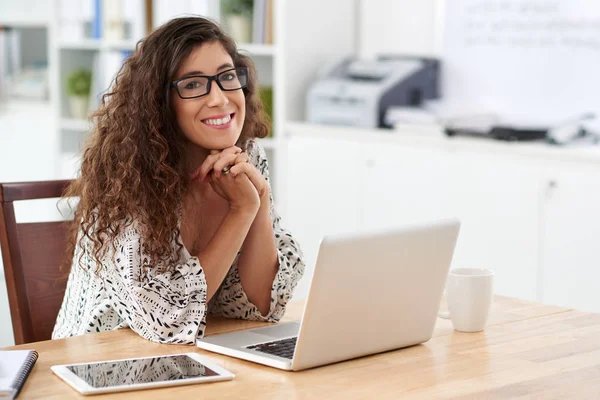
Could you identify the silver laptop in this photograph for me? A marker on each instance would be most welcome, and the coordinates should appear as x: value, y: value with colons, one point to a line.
x: 370, y: 293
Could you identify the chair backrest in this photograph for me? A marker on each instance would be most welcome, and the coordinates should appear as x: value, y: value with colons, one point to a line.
x: 32, y: 254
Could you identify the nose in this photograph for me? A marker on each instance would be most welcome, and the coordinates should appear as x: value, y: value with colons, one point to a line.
x: 216, y: 97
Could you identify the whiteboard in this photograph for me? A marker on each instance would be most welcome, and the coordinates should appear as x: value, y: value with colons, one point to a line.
x: 529, y: 59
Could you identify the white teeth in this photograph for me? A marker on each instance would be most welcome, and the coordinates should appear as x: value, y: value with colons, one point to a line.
x: 218, y: 121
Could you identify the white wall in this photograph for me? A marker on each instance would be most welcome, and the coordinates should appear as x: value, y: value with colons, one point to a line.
x: 322, y: 43
x: 25, y: 12
x: 26, y: 135
x: 411, y: 27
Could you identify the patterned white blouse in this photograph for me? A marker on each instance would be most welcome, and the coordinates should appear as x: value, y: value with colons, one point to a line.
x: 167, y: 307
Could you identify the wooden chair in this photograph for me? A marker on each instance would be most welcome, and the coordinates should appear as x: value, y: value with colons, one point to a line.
x: 32, y: 254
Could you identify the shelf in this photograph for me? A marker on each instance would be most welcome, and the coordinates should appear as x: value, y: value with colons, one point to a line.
x: 24, y: 109
x: 24, y: 24
x: 13, y: 103
x: 76, y: 125
x: 257, y: 49
x: 88, y: 44
x: 95, y: 44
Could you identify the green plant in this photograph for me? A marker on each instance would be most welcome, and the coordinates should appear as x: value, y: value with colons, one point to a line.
x: 265, y: 94
x: 237, y: 7
x: 79, y: 82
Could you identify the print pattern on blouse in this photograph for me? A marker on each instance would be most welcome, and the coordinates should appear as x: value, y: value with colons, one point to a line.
x: 168, y: 307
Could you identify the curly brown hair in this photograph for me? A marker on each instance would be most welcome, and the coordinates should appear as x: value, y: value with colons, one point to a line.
x: 132, y: 167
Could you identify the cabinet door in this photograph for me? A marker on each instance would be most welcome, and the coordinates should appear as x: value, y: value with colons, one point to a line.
x: 497, y: 200
x: 571, y: 234
x: 323, y: 192
x: 403, y: 185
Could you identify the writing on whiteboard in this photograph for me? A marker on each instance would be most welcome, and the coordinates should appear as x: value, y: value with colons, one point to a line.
x: 528, y: 25
x: 535, y: 59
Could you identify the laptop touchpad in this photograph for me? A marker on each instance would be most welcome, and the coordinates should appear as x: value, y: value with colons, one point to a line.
x: 278, y: 331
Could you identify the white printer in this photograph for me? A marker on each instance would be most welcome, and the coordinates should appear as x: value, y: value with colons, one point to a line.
x: 358, y: 92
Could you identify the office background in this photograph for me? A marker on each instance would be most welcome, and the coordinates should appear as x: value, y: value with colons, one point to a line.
x: 529, y: 210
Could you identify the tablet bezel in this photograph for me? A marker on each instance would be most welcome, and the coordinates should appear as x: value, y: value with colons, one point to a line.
x: 77, y: 383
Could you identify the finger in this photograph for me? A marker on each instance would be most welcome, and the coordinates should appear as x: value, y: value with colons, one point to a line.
x: 210, y: 160
x: 215, y: 184
x: 195, y: 174
x: 258, y: 181
x: 207, y: 166
x: 241, y: 158
x: 225, y: 160
x: 233, y: 150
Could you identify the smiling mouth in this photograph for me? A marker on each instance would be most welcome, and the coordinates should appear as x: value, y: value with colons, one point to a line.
x: 217, y: 122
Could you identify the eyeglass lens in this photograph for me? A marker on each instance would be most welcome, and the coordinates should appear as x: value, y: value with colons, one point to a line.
x: 197, y: 86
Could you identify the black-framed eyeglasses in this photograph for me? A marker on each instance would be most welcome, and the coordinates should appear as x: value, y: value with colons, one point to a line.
x: 196, y: 86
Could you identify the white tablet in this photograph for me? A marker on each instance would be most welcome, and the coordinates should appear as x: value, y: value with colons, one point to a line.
x: 141, y: 373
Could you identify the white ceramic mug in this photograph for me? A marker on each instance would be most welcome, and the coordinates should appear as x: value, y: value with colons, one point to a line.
x: 469, y: 293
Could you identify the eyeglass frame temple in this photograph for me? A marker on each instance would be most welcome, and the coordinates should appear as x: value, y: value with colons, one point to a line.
x: 209, y: 84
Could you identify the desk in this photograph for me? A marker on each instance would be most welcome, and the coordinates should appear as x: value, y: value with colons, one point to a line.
x: 529, y: 350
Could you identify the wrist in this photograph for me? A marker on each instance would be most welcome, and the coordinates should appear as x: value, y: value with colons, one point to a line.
x: 264, y: 212
x: 265, y: 199
x: 247, y: 211
x: 262, y: 218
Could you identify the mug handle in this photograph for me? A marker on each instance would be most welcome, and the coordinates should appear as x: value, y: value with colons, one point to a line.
x: 444, y: 315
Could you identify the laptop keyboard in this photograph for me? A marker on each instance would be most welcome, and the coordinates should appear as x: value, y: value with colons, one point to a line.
x: 281, y: 348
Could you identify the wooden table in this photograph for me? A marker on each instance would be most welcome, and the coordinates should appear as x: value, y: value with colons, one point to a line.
x: 528, y: 350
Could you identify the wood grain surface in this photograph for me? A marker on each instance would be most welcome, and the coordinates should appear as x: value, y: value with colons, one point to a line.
x: 528, y: 351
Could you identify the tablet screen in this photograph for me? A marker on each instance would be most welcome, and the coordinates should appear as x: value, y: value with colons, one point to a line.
x: 143, y: 370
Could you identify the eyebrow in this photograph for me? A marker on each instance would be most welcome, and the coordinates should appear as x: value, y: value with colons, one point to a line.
x: 194, y: 73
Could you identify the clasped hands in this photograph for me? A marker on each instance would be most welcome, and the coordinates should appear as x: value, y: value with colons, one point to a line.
x: 232, y: 177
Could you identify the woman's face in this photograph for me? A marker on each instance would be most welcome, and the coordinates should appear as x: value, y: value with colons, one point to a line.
x: 215, y: 120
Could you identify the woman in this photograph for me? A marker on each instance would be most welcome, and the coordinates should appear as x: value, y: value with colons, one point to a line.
x: 175, y: 218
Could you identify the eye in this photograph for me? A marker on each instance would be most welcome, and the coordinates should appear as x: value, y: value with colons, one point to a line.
x: 193, y: 84
x: 230, y: 76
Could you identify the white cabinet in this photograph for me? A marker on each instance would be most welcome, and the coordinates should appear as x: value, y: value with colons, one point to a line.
x: 402, y: 185
x: 323, y: 194
x: 496, y: 197
x: 497, y: 207
x: 387, y: 185
x: 531, y: 213
x: 571, y: 236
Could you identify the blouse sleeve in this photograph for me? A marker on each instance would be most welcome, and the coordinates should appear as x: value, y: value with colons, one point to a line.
x: 168, y: 307
x: 231, y: 301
